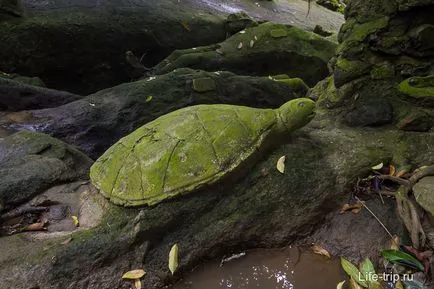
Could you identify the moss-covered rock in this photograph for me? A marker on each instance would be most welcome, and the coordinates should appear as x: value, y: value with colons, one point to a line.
x: 236, y: 22
x: 17, y: 94
x: 97, y: 121
x: 383, y: 50
x: 267, y: 49
x: 82, y: 50
x: 32, y: 162
x: 322, y: 165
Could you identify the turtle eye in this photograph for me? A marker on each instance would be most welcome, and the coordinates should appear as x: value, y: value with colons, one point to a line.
x: 301, y: 104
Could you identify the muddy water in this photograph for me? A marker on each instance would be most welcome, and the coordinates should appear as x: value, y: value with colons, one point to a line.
x: 289, y: 268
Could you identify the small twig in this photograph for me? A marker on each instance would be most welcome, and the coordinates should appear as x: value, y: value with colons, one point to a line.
x: 21, y: 211
x: 372, y: 213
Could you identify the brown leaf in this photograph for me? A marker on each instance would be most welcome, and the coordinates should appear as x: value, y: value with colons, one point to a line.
x: 355, y: 208
x: 35, y: 227
x: 395, y: 243
x: 320, y: 251
x: 344, y: 208
x: 67, y: 241
x: 392, y: 170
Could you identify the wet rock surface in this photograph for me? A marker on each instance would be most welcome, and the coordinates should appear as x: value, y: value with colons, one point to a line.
x: 267, y: 49
x: 16, y: 95
x: 211, y: 223
x: 97, y: 121
x: 373, y: 108
x: 32, y: 162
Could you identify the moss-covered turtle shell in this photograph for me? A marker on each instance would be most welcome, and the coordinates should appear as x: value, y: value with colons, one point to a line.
x: 184, y: 150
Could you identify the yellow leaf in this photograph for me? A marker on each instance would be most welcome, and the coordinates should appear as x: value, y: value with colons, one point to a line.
x: 173, y: 258
x: 240, y: 45
x: 395, y: 243
x: 134, y: 274
x: 340, y: 285
x: 392, y: 170
x: 377, y: 167
x: 138, y: 284
x: 75, y: 221
x: 149, y: 98
x: 320, y: 251
x: 354, y: 285
x: 281, y: 164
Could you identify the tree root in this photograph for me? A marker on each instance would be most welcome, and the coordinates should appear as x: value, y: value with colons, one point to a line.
x: 407, y: 208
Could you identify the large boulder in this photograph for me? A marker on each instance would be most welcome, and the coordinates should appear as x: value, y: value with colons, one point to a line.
x: 18, y: 93
x: 263, y: 50
x: 265, y: 209
x: 80, y: 46
x: 95, y: 122
x: 33, y: 162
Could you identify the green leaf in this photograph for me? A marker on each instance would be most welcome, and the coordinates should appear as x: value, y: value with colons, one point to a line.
x: 402, y: 258
x: 353, y: 272
x: 367, y: 270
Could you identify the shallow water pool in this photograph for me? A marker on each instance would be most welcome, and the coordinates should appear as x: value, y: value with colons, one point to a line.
x: 288, y: 268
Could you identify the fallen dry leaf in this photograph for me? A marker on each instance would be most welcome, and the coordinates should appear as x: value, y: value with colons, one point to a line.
x: 392, y: 170
x: 281, y: 164
x: 173, y: 258
x: 134, y: 274
x: 320, y: 251
x: 138, y: 284
x: 149, y: 98
x: 240, y: 45
x: 67, y: 241
x: 340, y: 285
x: 354, y: 285
x: 252, y: 42
x: 355, y: 208
x: 35, y: 227
x: 377, y: 167
x: 395, y: 243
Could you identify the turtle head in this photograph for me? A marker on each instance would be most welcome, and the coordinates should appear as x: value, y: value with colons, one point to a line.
x: 295, y: 114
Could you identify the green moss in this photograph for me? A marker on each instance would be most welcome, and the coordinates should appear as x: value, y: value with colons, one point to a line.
x: 418, y: 87
x: 204, y: 84
x: 296, y: 83
x: 278, y: 33
x: 382, y: 71
x: 347, y: 70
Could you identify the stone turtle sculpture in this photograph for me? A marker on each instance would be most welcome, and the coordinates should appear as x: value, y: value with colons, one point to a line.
x: 190, y: 148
